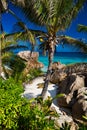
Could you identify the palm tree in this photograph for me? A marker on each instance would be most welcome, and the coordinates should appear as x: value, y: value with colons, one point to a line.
x: 82, y: 28
x: 5, y: 44
x: 55, y: 15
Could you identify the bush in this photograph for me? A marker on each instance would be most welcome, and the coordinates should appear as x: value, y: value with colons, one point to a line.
x: 17, y: 113
x: 33, y: 73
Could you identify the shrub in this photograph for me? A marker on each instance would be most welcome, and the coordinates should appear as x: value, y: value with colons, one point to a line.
x: 33, y: 73
x: 17, y: 113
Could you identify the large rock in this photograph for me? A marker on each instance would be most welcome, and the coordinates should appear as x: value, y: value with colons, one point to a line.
x: 57, y: 65
x: 80, y: 107
x: 69, y: 88
x: 72, y: 82
x: 57, y: 76
x: 60, y: 71
x: 78, y: 68
x: 27, y: 55
x: 31, y: 61
x: 75, y: 95
x: 32, y: 64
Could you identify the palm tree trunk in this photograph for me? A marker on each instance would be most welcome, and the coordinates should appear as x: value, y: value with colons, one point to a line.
x: 47, y: 79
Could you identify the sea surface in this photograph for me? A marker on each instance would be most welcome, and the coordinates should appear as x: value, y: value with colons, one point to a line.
x: 64, y: 58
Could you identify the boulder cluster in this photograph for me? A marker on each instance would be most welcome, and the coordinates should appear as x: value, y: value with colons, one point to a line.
x: 72, y: 82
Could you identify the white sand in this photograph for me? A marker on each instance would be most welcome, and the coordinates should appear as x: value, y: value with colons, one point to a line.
x: 32, y: 91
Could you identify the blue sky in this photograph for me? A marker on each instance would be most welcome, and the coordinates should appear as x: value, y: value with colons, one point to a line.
x: 8, y: 21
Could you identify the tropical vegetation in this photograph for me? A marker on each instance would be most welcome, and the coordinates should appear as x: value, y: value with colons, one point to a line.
x: 16, y: 112
x: 9, y: 42
x: 56, y: 16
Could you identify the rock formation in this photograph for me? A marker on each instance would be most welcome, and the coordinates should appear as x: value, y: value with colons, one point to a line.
x: 27, y: 55
x: 31, y: 60
x: 72, y: 82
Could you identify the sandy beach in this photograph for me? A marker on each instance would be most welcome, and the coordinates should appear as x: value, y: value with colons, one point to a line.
x: 31, y: 90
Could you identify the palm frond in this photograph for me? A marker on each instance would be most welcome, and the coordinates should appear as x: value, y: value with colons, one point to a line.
x: 17, y: 65
x: 6, y: 41
x: 13, y: 47
x: 68, y: 10
x: 6, y: 56
x: 19, y: 26
x: 39, y: 10
x: 82, y: 28
x: 35, y: 32
x: 74, y: 42
x: 44, y: 47
x: 26, y: 34
x: 53, y: 13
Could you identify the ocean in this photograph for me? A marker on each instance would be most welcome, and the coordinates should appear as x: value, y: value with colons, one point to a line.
x: 64, y: 58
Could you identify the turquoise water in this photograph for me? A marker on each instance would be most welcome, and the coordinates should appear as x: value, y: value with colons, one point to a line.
x: 64, y: 58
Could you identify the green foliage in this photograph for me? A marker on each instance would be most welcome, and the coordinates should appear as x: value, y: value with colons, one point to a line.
x: 19, y: 113
x: 33, y: 73
x: 10, y: 101
x: 85, y: 117
x: 13, y: 66
x: 55, y: 14
x: 17, y: 65
x: 82, y: 127
x: 8, y: 44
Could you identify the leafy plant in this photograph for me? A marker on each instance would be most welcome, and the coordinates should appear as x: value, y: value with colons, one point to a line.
x: 17, y: 65
x: 33, y: 73
x: 19, y: 113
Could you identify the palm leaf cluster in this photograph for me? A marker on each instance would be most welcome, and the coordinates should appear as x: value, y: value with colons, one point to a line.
x: 9, y: 41
x: 23, y: 33
x: 56, y: 15
x: 52, y: 13
x: 74, y: 42
x: 7, y: 45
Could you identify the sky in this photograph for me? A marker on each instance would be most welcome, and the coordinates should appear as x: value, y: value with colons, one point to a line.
x: 8, y: 21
